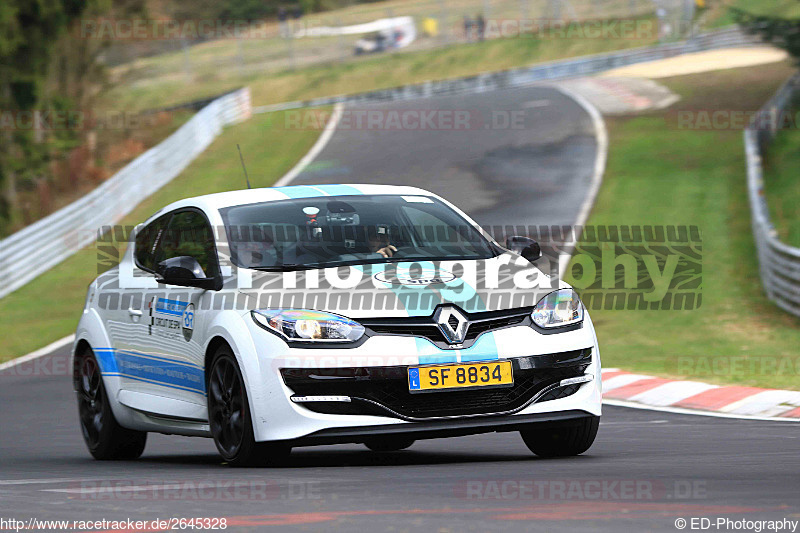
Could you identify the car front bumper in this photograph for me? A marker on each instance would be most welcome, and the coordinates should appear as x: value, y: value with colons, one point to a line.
x: 278, y: 418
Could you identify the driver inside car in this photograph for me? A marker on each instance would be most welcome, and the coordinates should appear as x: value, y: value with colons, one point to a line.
x: 378, y: 241
x: 255, y: 253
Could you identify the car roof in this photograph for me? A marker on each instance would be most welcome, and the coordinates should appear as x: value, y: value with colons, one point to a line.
x: 273, y: 194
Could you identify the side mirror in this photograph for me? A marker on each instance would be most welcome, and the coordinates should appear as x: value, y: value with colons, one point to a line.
x: 185, y: 271
x: 524, y: 246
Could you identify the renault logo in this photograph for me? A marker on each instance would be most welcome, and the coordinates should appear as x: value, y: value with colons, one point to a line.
x: 452, y: 323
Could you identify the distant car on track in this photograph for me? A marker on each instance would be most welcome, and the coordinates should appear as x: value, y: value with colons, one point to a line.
x: 281, y: 317
x: 373, y: 43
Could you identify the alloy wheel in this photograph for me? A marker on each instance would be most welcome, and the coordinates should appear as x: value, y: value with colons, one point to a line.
x: 227, y: 416
x: 91, y: 404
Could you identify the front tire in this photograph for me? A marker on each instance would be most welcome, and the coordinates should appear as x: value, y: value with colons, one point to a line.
x: 103, y: 435
x: 229, y: 416
x: 563, y: 440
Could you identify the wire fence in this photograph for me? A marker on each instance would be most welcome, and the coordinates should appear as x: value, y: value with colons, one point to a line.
x: 779, y: 263
x: 34, y: 250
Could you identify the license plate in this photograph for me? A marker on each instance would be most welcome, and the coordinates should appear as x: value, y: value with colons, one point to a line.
x: 468, y: 375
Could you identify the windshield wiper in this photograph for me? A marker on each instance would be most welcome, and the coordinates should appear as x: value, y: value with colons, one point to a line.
x: 286, y: 267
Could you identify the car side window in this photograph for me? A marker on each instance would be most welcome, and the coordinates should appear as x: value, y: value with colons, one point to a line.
x: 189, y: 234
x: 147, y: 240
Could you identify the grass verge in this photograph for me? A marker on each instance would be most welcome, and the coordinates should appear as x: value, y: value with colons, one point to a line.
x: 660, y: 174
x: 48, y: 308
x: 378, y: 72
x: 781, y: 184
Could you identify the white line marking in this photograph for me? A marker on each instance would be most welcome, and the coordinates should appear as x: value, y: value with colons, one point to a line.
x: 671, y: 393
x: 134, y: 488
x: 601, y: 134
x: 535, y: 103
x: 637, y: 423
x: 327, y: 133
x: 60, y: 343
x: 5, y: 482
x: 682, y: 411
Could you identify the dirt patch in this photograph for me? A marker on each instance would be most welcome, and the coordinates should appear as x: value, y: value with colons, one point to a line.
x: 702, y: 62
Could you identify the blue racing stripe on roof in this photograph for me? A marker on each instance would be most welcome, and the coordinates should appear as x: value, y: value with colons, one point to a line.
x: 300, y: 191
x: 339, y: 190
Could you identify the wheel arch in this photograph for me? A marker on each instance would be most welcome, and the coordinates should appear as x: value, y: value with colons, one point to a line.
x: 236, y: 330
x: 89, y: 335
x: 211, y: 349
x: 82, y: 347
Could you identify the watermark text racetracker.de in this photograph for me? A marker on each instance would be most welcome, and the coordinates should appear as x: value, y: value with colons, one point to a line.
x: 194, y: 490
x: 732, y: 367
x: 12, y: 120
x: 601, y: 489
x: 735, y: 524
x: 422, y: 119
x: 732, y: 120
x: 608, y: 29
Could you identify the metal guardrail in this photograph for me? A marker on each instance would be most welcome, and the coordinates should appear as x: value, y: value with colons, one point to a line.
x: 42, y: 245
x: 779, y: 263
x: 35, y: 249
x: 581, y: 66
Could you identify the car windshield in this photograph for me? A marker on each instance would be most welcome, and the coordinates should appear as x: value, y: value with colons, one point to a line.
x: 342, y: 230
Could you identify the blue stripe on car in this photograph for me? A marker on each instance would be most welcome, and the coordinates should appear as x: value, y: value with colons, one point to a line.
x: 151, y: 369
x: 429, y: 354
x: 484, y: 349
x: 339, y: 190
x: 170, y: 307
x: 300, y: 191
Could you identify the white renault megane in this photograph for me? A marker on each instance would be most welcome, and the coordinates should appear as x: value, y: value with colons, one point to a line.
x: 293, y: 316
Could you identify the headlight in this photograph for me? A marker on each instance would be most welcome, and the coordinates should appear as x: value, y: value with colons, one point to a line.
x: 559, y: 308
x: 308, y: 326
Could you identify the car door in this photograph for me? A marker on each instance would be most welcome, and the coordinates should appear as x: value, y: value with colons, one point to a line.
x: 166, y: 358
x: 125, y: 309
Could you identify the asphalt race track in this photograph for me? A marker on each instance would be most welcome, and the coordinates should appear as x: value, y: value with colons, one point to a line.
x: 526, y: 157
x: 646, y: 470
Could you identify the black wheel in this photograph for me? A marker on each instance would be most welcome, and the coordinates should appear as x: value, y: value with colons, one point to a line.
x: 229, y: 417
x: 388, y: 444
x: 103, y: 435
x: 562, y: 440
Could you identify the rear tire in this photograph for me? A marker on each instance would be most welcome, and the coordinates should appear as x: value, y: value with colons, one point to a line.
x: 389, y: 444
x: 563, y: 440
x: 103, y: 435
x: 229, y: 416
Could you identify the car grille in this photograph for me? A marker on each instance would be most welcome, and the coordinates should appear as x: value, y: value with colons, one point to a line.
x: 425, y: 326
x: 384, y: 390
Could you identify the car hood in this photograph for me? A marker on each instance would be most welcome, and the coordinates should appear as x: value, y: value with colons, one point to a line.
x: 403, y: 289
